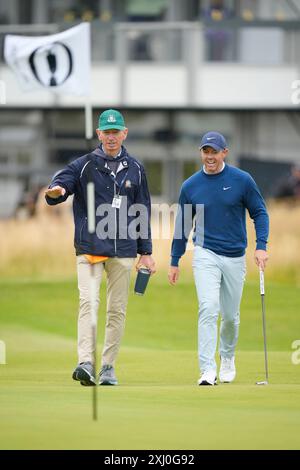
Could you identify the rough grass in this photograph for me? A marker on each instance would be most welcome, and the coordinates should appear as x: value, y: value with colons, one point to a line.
x: 165, y: 318
x: 43, y: 247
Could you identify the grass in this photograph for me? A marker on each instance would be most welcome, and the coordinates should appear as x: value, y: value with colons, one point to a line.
x: 157, y: 405
x: 166, y: 318
x: 43, y: 246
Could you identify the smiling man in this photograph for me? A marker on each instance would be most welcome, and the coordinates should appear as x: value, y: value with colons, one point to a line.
x: 216, y: 198
x: 120, y: 184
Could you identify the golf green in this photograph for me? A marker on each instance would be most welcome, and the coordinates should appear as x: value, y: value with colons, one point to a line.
x: 157, y: 404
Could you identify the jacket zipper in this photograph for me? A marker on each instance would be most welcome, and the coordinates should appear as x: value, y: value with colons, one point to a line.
x: 115, y: 193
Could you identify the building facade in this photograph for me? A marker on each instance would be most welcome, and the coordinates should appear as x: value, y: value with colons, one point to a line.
x: 176, y: 69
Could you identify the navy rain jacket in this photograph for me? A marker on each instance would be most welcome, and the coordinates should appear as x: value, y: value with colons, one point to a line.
x: 130, y: 181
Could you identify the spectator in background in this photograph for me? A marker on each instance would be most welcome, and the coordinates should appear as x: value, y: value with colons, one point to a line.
x: 290, y: 187
x: 218, y: 41
x: 26, y: 207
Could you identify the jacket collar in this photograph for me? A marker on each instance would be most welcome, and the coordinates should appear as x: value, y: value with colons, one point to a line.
x: 101, y: 162
x: 100, y: 153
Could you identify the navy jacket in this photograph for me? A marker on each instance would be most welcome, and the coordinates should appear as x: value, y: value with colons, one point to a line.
x: 120, y: 232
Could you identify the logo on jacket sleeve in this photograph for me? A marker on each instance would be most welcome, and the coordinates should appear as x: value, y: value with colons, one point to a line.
x: 128, y: 184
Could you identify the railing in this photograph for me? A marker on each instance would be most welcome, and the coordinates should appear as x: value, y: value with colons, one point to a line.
x: 257, y: 42
x: 232, y: 40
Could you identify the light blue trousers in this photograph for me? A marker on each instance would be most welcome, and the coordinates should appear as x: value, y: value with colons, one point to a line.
x: 219, y: 282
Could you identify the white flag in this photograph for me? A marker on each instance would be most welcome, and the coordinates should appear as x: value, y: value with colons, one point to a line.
x: 58, y: 62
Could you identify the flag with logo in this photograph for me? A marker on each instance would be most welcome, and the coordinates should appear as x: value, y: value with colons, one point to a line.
x: 58, y: 62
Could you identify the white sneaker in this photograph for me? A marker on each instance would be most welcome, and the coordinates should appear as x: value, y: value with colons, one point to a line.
x: 208, y: 378
x: 227, y: 370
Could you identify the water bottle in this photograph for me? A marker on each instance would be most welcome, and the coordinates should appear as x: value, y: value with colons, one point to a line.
x: 141, y: 282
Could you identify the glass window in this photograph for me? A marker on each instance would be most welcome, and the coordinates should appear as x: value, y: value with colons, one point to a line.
x: 146, y: 8
x: 71, y: 10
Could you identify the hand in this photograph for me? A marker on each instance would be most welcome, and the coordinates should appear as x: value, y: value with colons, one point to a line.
x: 148, y: 262
x: 55, y: 192
x: 173, y: 275
x: 261, y: 257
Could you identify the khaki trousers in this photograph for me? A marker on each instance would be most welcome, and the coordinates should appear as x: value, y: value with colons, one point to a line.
x: 118, y: 279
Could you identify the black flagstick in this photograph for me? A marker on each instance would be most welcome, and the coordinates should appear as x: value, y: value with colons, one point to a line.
x: 92, y: 229
x: 93, y: 281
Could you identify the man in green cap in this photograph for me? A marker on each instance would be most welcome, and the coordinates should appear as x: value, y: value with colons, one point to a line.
x: 123, y: 209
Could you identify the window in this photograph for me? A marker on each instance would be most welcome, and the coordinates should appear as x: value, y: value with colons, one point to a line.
x: 145, y: 10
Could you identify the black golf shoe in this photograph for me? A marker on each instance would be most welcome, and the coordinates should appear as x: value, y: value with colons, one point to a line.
x: 85, y: 374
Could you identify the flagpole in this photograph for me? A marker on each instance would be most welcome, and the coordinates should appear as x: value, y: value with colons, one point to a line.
x: 93, y: 283
x: 91, y: 214
x: 88, y: 116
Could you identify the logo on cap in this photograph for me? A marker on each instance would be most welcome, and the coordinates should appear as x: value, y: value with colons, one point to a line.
x: 111, y: 118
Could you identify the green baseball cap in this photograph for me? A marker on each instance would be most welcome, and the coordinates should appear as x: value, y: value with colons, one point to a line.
x: 111, y: 119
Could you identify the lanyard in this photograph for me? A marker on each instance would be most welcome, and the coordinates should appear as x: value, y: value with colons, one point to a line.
x: 116, y: 182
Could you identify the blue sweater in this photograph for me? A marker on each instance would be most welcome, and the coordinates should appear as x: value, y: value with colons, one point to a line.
x: 216, y: 204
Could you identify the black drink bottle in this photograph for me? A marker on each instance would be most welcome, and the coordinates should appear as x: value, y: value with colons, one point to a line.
x: 141, y: 282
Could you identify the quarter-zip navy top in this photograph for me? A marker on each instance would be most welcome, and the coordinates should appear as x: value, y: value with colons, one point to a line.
x: 217, y: 204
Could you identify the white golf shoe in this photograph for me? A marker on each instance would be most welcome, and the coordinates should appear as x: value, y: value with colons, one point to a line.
x: 208, y: 378
x: 227, y: 370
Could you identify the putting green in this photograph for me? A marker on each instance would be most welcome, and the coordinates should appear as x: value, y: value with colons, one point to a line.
x: 157, y: 405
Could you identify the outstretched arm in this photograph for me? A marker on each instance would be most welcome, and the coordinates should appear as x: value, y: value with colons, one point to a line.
x: 55, y: 192
x: 62, y: 185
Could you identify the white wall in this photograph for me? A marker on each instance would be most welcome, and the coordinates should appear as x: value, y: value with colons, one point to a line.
x: 168, y: 85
